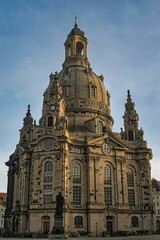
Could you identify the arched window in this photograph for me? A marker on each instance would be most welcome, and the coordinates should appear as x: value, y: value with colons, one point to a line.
x: 107, y: 174
x: 76, y: 173
x: 107, y: 185
x: 50, y: 121
x: 76, y: 184
x: 92, y: 91
x: 99, y: 127
x: 130, y: 185
x: 48, y: 171
x: 65, y: 91
x: 130, y: 135
x: 78, y: 222
x: 130, y: 178
x: 79, y: 48
x: 48, y: 174
x: 135, y: 221
x: 68, y: 50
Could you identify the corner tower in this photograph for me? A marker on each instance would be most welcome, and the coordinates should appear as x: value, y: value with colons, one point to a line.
x: 131, y: 119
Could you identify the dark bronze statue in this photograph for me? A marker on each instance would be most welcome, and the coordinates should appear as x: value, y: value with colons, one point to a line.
x: 59, y: 204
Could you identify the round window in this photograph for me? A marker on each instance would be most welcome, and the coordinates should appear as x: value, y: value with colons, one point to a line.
x: 47, y: 145
x: 106, y: 148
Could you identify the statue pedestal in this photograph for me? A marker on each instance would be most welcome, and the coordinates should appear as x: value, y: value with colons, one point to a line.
x: 58, y: 229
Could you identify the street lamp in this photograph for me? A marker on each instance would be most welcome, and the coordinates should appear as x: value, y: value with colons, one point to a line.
x: 96, y: 228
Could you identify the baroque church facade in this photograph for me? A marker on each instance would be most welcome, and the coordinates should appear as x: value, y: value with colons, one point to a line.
x: 103, y: 176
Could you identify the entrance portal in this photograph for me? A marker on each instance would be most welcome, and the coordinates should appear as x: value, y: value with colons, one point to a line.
x: 46, y: 224
x: 109, y: 222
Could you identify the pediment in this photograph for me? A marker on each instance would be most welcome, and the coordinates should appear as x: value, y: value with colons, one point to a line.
x: 21, y: 148
x: 46, y: 143
x: 112, y: 140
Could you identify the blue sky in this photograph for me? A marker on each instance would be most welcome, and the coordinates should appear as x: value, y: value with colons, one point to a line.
x: 124, y: 46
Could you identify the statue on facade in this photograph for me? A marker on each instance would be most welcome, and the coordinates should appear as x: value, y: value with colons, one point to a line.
x: 59, y: 204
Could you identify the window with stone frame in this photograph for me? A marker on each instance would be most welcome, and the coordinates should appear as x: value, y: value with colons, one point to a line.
x: 76, y: 150
x: 108, y: 196
x: 130, y: 135
x: 78, y: 222
x: 68, y: 50
x: 50, y: 121
x: 99, y: 127
x: 77, y: 195
x: 131, y: 197
x: 76, y: 173
x: 79, y: 48
x: 65, y: 91
x: 48, y: 171
x: 129, y: 156
x: 131, y: 187
x: 106, y: 148
x: 92, y: 91
x: 130, y: 178
x: 135, y: 221
x: 107, y: 185
x: 107, y: 174
x: 48, y: 194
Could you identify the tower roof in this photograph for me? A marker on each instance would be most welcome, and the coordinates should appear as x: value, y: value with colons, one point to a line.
x: 76, y: 30
x: 129, y: 106
x: 28, y: 118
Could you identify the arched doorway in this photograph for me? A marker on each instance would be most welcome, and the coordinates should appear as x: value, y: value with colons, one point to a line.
x: 109, y: 224
x: 45, y: 224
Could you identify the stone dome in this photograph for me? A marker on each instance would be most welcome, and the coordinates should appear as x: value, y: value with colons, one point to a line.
x: 87, y: 102
x: 84, y: 90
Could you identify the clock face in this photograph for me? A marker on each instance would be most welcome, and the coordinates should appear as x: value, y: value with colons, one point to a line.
x: 53, y: 107
x: 130, y: 122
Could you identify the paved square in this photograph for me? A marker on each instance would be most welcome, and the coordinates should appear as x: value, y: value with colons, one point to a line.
x: 150, y: 237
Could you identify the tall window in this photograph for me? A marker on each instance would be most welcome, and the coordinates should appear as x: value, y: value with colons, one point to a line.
x: 68, y: 50
x: 92, y: 91
x: 78, y: 222
x: 130, y: 178
x: 48, y: 175
x: 50, y: 121
x: 131, y: 197
x: 107, y: 185
x: 65, y: 91
x: 48, y: 171
x: 108, y: 196
x: 76, y: 195
x: 79, y: 48
x: 135, y: 221
x: 99, y: 127
x: 107, y: 175
x: 47, y: 194
x: 130, y: 135
x: 130, y: 185
x: 76, y: 173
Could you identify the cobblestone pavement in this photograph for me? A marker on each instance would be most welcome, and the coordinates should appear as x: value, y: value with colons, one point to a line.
x: 150, y: 237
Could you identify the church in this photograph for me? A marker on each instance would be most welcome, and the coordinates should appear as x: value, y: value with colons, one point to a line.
x: 104, y: 176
